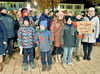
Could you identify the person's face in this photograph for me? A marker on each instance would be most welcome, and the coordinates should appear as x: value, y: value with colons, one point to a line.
x: 26, y: 14
x: 91, y: 13
x: 26, y: 23
x: 42, y: 27
x: 69, y: 21
x: 32, y: 13
x: 15, y: 11
x: 51, y: 14
x: 78, y: 16
x: 4, y: 11
x: 46, y: 11
x: 60, y: 17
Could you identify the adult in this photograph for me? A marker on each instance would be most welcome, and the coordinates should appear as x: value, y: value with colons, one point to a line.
x: 55, y: 29
x: 9, y: 25
x: 89, y: 39
x: 44, y: 16
x: 3, y: 41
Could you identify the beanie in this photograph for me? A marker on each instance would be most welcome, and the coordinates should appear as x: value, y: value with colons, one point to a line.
x: 44, y: 23
x: 77, y: 13
x: 68, y: 17
x: 2, y: 8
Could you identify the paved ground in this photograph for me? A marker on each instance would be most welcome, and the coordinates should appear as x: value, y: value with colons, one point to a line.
x: 15, y: 66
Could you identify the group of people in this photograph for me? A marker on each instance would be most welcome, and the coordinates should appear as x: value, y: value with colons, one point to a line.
x: 56, y: 36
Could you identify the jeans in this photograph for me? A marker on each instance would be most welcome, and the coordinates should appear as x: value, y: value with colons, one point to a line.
x: 27, y: 51
x: 43, y: 58
x: 67, y: 54
x: 9, y: 46
x: 87, y: 48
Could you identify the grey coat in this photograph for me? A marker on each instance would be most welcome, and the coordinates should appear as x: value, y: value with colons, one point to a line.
x: 91, y: 38
x: 68, y: 36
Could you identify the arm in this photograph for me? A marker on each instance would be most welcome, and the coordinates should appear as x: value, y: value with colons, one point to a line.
x: 50, y: 39
x: 20, y: 37
x: 97, y: 28
x: 37, y: 39
x: 62, y: 36
x: 52, y: 30
x: 3, y: 31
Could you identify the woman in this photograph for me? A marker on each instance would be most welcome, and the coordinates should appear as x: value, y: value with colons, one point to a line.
x: 3, y: 41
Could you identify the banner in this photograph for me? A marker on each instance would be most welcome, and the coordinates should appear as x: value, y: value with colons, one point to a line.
x: 84, y: 27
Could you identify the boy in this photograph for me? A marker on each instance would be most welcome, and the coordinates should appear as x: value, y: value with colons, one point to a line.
x: 43, y: 40
x: 25, y: 41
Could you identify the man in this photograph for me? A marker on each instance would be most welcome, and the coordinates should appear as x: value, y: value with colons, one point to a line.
x: 9, y: 25
x: 89, y: 39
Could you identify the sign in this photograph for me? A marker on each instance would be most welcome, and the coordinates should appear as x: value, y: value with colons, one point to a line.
x: 84, y: 27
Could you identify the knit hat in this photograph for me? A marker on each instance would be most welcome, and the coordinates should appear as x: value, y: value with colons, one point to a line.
x: 26, y: 18
x: 44, y: 23
x: 2, y: 8
x: 68, y: 17
x: 23, y: 11
x: 77, y: 13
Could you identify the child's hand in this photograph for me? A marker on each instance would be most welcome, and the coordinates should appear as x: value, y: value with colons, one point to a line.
x: 20, y: 47
x: 4, y: 42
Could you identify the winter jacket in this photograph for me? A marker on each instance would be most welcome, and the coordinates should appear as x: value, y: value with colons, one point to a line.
x: 3, y: 37
x: 91, y: 38
x: 68, y: 36
x: 55, y: 29
x: 9, y: 24
x: 26, y: 37
x: 44, y: 40
x: 44, y: 17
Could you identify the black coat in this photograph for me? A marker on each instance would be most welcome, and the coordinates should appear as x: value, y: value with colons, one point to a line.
x: 3, y: 37
x: 9, y: 24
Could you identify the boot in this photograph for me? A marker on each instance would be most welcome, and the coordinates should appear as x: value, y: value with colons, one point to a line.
x: 59, y: 58
x: 44, y: 68
x: 77, y: 58
x: 56, y: 58
x: 1, y: 66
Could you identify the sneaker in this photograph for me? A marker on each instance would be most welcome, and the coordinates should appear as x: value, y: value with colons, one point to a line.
x: 25, y: 66
x: 77, y: 58
x: 64, y: 65
x: 32, y: 65
x: 49, y: 67
x: 72, y: 64
x: 44, y: 68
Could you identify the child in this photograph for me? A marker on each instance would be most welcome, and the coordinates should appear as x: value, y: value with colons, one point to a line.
x: 43, y: 40
x: 68, y: 40
x: 3, y: 41
x: 26, y: 40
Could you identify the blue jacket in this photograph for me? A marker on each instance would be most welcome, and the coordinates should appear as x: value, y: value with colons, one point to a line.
x: 3, y: 37
x: 44, y: 17
x: 9, y: 24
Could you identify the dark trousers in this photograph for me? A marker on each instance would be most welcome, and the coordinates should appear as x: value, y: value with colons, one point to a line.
x: 9, y: 46
x: 57, y: 50
x: 87, y: 48
x: 43, y: 58
x: 28, y: 51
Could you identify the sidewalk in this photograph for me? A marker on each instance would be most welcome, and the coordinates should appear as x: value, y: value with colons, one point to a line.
x: 15, y: 66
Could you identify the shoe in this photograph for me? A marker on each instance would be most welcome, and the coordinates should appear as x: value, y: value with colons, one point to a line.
x: 72, y: 64
x: 49, y: 67
x: 44, y: 68
x: 64, y: 65
x: 32, y: 65
x: 88, y: 58
x: 1, y: 66
x: 77, y: 58
x: 85, y: 58
x: 25, y: 66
